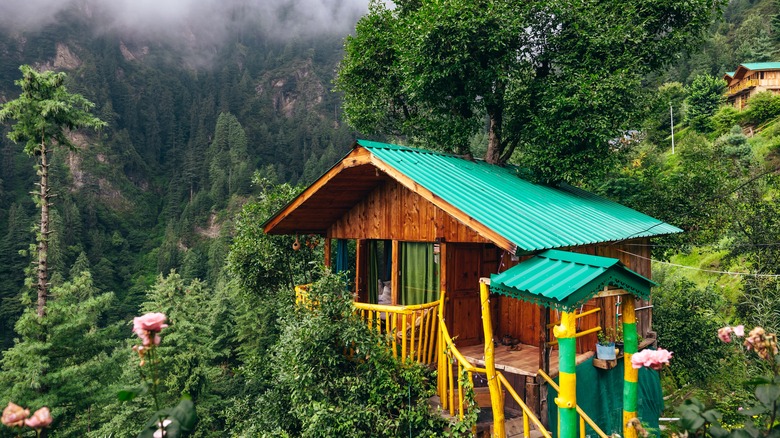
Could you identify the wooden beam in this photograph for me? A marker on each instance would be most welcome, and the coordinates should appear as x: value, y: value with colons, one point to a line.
x: 327, y: 249
x: 357, y: 157
x: 450, y: 209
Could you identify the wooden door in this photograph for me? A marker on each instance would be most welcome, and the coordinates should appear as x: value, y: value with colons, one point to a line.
x: 463, y: 310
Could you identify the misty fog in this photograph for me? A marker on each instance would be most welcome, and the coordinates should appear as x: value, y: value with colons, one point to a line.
x: 205, y: 21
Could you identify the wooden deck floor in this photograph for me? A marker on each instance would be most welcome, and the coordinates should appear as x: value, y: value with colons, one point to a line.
x: 523, y: 361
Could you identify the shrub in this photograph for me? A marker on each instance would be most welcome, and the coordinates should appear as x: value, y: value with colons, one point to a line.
x: 762, y: 107
x: 685, y: 318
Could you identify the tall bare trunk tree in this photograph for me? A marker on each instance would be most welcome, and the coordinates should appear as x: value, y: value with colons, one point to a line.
x: 44, y: 113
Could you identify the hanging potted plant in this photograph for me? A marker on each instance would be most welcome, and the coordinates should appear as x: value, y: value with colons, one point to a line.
x: 605, y: 347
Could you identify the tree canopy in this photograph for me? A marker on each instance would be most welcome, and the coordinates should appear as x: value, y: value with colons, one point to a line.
x: 554, y: 79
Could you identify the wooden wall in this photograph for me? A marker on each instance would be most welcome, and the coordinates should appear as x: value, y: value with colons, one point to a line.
x: 521, y: 319
x: 392, y: 211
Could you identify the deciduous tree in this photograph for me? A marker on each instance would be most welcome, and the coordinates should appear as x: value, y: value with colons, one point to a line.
x: 556, y: 79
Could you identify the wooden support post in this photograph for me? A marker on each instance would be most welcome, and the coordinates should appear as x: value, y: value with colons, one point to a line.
x: 567, y: 362
x: 395, y: 276
x: 544, y: 363
x: 361, y: 270
x: 326, y: 249
x: 496, y: 395
x: 630, y: 375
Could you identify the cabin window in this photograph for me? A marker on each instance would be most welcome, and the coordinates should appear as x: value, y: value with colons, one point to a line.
x: 761, y: 75
x: 419, y: 273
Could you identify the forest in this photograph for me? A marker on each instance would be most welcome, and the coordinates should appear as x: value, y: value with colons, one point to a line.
x: 160, y: 209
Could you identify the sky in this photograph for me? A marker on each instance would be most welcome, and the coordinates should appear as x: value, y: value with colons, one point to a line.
x: 204, y: 20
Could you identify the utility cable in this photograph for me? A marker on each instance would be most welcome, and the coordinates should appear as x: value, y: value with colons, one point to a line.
x: 711, y: 271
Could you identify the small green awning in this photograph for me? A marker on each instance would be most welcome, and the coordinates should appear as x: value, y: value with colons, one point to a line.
x: 566, y: 280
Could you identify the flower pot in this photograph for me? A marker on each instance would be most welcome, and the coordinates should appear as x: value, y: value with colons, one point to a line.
x: 605, y: 352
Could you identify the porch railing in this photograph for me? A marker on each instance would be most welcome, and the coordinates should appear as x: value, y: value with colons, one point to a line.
x: 412, y: 329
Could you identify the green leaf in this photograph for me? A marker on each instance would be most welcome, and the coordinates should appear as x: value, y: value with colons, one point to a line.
x: 712, y: 416
x: 691, y: 421
x: 718, y: 432
x: 768, y: 394
x: 129, y: 394
x: 184, y: 414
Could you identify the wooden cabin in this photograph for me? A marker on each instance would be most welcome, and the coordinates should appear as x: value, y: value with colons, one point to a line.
x: 431, y: 223
x: 749, y: 79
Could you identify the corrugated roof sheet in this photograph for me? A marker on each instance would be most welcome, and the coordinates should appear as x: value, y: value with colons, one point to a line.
x: 761, y: 65
x: 565, y: 280
x: 532, y: 216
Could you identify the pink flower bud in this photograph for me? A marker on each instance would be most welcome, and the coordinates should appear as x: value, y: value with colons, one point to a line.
x: 40, y: 419
x: 148, y: 326
x: 14, y: 415
x: 724, y: 333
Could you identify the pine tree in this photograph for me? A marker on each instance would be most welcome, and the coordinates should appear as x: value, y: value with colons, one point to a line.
x: 45, y: 112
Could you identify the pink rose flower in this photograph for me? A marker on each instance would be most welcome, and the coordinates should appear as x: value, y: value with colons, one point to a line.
x: 655, y: 359
x: 739, y: 330
x: 40, y: 419
x: 148, y: 326
x: 724, y: 333
x: 14, y: 415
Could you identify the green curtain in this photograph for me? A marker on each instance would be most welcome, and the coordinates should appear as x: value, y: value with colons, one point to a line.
x: 419, y: 273
x: 373, y: 271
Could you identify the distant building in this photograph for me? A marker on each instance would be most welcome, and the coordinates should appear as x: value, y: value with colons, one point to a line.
x: 751, y: 78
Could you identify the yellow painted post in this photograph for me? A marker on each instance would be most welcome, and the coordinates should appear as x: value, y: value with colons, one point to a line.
x: 567, y: 363
x: 630, y: 375
x: 496, y: 399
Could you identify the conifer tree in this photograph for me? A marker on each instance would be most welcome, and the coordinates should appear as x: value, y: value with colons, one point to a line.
x: 45, y: 113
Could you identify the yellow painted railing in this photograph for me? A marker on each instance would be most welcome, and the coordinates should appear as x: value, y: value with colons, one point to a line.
x: 743, y: 84
x: 451, y: 365
x: 584, y: 418
x: 412, y: 329
x: 528, y: 415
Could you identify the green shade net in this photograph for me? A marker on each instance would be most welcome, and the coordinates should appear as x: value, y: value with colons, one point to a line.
x: 419, y: 273
x: 600, y: 395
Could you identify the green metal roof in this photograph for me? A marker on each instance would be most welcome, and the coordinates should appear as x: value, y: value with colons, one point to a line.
x: 762, y: 66
x: 532, y: 216
x: 566, y: 280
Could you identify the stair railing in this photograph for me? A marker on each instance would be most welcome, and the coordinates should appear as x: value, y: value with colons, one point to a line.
x: 584, y: 418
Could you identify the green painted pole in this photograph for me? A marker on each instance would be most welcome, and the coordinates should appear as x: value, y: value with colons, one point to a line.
x: 567, y: 377
x: 630, y: 375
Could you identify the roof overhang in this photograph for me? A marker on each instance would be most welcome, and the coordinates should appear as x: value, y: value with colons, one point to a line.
x: 565, y: 280
x: 349, y: 182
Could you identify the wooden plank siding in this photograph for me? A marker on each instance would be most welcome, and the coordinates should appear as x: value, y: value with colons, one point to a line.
x: 391, y: 211
x: 520, y: 319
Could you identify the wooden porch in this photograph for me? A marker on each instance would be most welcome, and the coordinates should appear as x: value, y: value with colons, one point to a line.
x: 521, y: 361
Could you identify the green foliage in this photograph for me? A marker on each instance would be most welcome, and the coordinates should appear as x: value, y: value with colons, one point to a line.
x: 334, y: 376
x: 762, y: 107
x: 263, y: 263
x: 705, y: 95
x: 725, y: 118
x: 686, y: 319
x: 64, y: 360
x: 759, y: 416
x: 46, y: 111
x: 434, y: 71
x: 666, y: 102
